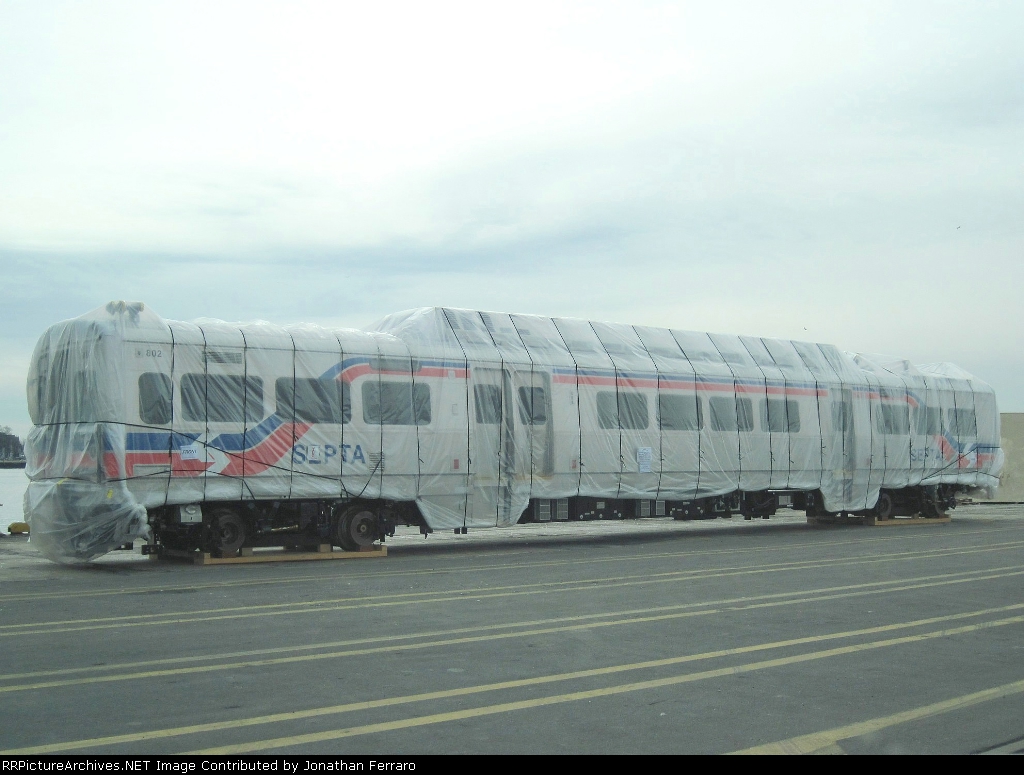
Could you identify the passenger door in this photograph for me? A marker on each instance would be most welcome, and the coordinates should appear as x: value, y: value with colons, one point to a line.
x: 492, y: 446
x: 533, y: 412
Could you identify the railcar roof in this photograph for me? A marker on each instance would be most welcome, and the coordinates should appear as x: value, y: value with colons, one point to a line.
x: 496, y: 336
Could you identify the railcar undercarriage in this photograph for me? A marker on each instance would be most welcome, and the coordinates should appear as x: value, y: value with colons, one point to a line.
x: 223, y: 528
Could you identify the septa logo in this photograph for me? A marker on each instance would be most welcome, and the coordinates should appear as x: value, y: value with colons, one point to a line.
x: 317, y: 454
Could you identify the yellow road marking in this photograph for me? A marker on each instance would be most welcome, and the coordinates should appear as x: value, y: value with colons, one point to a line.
x: 553, y: 620
x: 575, y: 675
x: 823, y: 741
x: 507, y: 707
x: 391, y: 573
x: 736, y: 604
x: 420, y: 598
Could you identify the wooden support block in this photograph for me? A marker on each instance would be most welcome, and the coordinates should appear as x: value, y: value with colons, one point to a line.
x: 875, y: 522
x: 321, y: 552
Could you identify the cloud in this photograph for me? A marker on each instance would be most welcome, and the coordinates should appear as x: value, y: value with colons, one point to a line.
x: 796, y: 171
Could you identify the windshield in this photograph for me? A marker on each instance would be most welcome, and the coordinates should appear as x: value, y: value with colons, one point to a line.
x: 65, y: 381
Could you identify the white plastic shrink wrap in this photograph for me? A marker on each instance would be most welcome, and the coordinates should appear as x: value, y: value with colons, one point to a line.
x: 471, y: 416
x: 78, y: 504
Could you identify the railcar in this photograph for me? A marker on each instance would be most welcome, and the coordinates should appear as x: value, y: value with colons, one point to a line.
x: 216, y: 436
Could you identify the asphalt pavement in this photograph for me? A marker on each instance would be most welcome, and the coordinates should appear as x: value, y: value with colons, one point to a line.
x: 636, y: 637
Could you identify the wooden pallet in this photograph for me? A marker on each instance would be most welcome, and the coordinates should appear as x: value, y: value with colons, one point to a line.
x: 876, y: 522
x: 249, y: 555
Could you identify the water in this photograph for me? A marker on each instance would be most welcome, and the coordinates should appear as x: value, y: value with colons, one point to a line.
x: 13, y: 484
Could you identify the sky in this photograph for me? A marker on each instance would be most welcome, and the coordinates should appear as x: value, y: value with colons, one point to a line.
x: 850, y: 173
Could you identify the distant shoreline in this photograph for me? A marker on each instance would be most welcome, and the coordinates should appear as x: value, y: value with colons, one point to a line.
x: 12, y: 463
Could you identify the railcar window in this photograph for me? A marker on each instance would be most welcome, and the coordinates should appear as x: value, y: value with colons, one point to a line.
x: 842, y: 416
x: 731, y: 414
x: 76, y: 397
x: 793, y: 415
x: 155, y: 398
x: 37, y: 389
x: 893, y: 419
x: 532, y: 405
x: 627, y: 411
x: 680, y: 413
x: 778, y: 416
x: 881, y: 420
x: 723, y: 413
x: 773, y: 416
x: 607, y: 410
x: 68, y: 395
x: 926, y: 421
x: 744, y: 415
x: 963, y: 422
x: 314, y: 400
x: 221, y: 398
x: 396, y: 403
x: 71, y: 397
x: 488, y: 404
x: 43, y: 397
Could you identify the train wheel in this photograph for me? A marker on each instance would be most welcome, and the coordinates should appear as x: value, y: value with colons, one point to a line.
x: 885, y: 508
x: 356, y: 529
x: 228, y: 532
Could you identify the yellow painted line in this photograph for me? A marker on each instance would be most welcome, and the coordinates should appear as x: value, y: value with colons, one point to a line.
x: 315, y: 606
x: 481, y: 593
x: 391, y: 572
x: 539, y: 680
x: 672, y: 575
x: 819, y: 742
x: 736, y: 603
x: 122, y: 671
x: 699, y: 572
x: 608, y: 691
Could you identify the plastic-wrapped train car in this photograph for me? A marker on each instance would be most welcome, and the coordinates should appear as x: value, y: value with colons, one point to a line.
x: 216, y: 436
